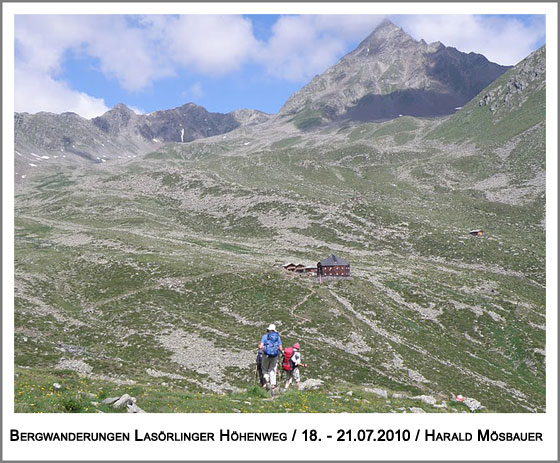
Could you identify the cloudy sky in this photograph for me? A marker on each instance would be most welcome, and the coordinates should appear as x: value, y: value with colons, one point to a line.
x: 89, y: 63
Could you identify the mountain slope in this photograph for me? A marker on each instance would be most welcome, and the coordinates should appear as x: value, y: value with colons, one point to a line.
x: 159, y: 273
x: 390, y: 74
x: 174, y: 261
x: 511, y: 105
x: 119, y: 133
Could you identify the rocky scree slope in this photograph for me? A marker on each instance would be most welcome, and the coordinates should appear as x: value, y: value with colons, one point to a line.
x: 391, y: 74
x: 119, y: 133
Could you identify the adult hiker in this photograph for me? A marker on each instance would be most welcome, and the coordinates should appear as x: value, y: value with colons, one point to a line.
x: 272, y: 347
x: 262, y: 381
x: 292, y: 362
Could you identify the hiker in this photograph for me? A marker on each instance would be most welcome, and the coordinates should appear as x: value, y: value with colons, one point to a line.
x: 291, y: 364
x: 262, y: 381
x: 272, y: 346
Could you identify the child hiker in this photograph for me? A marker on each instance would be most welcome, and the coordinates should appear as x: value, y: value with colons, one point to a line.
x: 291, y: 364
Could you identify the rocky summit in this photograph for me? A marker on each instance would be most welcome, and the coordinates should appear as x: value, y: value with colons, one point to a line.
x: 390, y: 75
x: 150, y: 269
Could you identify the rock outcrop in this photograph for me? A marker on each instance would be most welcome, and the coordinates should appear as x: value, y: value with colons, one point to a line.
x: 390, y: 74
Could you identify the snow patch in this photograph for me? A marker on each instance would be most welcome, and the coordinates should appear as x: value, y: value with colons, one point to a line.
x: 33, y: 165
x: 182, y: 134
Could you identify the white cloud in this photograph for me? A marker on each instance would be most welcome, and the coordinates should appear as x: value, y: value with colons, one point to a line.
x: 302, y: 46
x: 36, y: 92
x: 504, y: 40
x: 43, y: 41
x: 211, y: 44
x: 136, y: 51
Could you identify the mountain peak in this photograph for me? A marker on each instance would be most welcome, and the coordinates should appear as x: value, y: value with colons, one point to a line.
x: 386, y: 24
x: 121, y: 108
x: 391, y: 74
x: 385, y: 34
x: 388, y: 30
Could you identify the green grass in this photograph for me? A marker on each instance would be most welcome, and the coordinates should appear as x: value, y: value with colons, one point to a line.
x: 34, y: 392
x: 307, y: 119
x: 285, y: 143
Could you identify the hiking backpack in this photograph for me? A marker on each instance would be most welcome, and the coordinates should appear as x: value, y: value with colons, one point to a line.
x: 287, y: 364
x: 271, y: 344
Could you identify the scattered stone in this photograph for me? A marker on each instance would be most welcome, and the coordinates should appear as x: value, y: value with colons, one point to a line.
x: 349, y: 393
x: 57, y: 386
x: 427, y: 399
x: 110, y: 400
x: 99, y: 411
x: 124, y: 400
x: 247, y: 403
x: 89, y: 395
x: 310, y: 384
x: 95, y: 404
x: 397, y: 395
x: 235, y: 410
x: 473, y: 404
x: 133, y: 408
x: 416, y: 410
x: 443, y: 404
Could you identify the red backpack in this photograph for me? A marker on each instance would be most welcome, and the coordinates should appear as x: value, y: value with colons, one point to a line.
x: 286, y: 364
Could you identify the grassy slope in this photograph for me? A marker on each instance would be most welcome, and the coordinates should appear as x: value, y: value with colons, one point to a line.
x: 134, y: 257
x: 161, y: 273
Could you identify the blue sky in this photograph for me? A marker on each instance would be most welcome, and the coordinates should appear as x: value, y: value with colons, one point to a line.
x: 89, y: 63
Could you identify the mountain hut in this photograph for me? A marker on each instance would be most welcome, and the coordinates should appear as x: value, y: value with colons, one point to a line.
x: 333, y: 266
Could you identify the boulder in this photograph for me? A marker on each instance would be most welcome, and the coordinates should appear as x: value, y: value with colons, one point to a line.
x: 473, y: 404
x: 427, y: 399
x: 310, y: 384
x: 125, y: 399
x: 131, y: 407
x: 110, y: 400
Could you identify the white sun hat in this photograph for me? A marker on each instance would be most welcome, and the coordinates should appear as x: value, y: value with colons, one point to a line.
x: 271, y: 327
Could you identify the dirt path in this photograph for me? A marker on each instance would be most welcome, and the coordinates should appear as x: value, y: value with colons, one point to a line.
x: 303, y: 301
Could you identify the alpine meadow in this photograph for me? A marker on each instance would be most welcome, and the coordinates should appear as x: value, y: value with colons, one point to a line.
x: 150, y: 249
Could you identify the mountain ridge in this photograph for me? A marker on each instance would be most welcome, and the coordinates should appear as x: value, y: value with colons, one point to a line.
x: 390, y: 74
